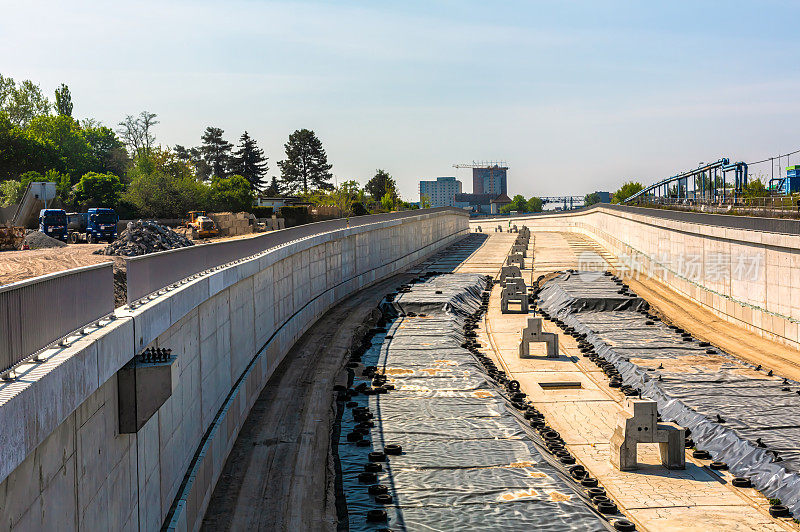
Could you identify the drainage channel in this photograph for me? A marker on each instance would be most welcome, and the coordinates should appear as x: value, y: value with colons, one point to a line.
x: 740, y: 417
x: 432, y: 436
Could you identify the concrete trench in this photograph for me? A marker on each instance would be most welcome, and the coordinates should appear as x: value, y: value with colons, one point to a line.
x: 474, y: 453
x: 740, y: 416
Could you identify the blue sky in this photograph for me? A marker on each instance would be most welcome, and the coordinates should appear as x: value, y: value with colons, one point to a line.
x: 576, y: 96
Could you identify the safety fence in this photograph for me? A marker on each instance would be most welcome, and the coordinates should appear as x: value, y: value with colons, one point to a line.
x: 36, y: 313
x: 149, y: 273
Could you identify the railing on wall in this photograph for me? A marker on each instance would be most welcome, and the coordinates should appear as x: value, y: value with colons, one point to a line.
x: 38, y: 312
x: 147, y: 274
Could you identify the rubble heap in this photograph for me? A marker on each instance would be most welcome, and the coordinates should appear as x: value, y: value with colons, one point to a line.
x: 39, y: 240
x: 145, y: 236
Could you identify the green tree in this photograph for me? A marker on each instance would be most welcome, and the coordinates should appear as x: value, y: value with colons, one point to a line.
x: 306, y: 164
x: 11, y: 192
x: 65, y: 138
x: 107, y: 150
x: 99, y: 190
x: 424, y: 202
x: 755, y: 189
x: 63, y: 101
x: 518, y: 203
x: 22, y: 102
x: 20, y: 153
x: 163, y: 186
x: 194, y: 156
x: 233, y: 194
x: 591, y: 199
x: 249, y: 161
x: 627, y: 190
x: 379, y: 185
x: 534, y: 204
x: 274, y: 188
x: 387, y: 201
x: 137, y: 133
x: 216, y: 151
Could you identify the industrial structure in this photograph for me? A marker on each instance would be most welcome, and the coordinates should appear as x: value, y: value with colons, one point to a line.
x: 440, y: 192
x: 489, y: 187
x: 708, y: 183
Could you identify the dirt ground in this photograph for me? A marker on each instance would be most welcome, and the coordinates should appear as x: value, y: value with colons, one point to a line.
x: 20, y: 265
x: 703, y: 324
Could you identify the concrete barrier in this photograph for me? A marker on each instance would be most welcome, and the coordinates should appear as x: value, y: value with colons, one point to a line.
x: 746, y: 270
x: 63, y: 462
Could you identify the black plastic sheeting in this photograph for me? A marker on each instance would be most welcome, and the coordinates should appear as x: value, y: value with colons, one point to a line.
x: 760, y: 414
x: 467, y: 462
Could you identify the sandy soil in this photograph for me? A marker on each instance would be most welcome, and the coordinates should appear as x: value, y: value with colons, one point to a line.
x: 20, y: 265
x: 681, y: 311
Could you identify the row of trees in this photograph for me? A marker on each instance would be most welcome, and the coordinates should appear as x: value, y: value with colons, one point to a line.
x: 128, y: 170
x: 520, y: 204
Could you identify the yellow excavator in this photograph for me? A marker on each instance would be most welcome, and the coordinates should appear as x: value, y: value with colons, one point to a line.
x: 201, y: 225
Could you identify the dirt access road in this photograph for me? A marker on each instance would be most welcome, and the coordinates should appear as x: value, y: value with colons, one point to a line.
x: 20, y: 265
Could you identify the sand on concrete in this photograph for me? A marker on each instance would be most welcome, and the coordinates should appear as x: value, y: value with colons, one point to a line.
x: 679, y: 310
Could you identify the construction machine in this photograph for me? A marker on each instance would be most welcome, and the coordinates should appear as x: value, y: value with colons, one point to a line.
x: 201, y: 225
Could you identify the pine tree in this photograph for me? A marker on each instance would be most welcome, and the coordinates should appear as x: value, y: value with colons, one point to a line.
x: 306, y: 164
x: 249, y: 161
x: 274, y: 188
x: 216, y: 151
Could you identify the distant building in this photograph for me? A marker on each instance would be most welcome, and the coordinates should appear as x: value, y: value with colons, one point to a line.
x: 440, y: 193
x: 482, y: 203
x: 490, y: 180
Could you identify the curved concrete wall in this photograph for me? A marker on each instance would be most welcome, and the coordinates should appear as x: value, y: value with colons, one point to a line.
x: 746, y: 270
x: 63, y: 463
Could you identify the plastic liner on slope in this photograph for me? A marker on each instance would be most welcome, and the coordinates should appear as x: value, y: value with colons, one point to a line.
x: 467, y: 463
x: 760, y: 414
x: 581, y: 291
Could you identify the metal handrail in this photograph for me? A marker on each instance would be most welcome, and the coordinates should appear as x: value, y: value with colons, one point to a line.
x: 36, y: 313
x: 147, y: 274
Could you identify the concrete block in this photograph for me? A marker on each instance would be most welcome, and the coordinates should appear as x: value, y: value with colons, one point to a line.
x: 638, y: 424
x: 533, y: 333
x: 516, y: 259
x: 514, y: 292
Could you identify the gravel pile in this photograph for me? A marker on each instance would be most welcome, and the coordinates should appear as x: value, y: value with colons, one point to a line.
x: 39, y: 240
x: 143, y: 237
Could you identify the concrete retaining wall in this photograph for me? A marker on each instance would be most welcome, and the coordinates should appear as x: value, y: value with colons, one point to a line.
x: 745, y: 270
x: 63, y: 464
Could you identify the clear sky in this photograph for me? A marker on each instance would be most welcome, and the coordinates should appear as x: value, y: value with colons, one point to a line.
x: 576, y: 96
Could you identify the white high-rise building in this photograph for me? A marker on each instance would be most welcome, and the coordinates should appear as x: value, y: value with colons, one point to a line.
x: 440, y: 193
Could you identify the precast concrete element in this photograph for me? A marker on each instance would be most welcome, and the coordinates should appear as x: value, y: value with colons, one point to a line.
x: 521, y: 249
x: 744, y: 269
x: 638, y: 423
x: 64, y: 463
x: 533, y: 333
x: 509, y: 271
x: 143, y: 385
x: 514, y: 292
x: 516, y: 258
